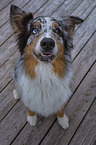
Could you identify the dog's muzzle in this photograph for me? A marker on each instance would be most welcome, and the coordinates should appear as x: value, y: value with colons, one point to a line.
x: 47, y: 45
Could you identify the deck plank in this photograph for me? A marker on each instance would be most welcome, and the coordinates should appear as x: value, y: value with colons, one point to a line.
x: 9, y: 126
x: 6, y: 100
x: 75, y: 109
x: 4, y: 3
x: 49, y: 8
x: 87, y: 130
x: 5, y: 16
x: 87, y: 30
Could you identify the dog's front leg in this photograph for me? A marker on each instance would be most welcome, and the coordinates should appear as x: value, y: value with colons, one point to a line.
x: 32, y: 117
x: 62, y: 119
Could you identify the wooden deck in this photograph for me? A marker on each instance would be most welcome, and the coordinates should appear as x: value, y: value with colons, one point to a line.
x: 81, y: 108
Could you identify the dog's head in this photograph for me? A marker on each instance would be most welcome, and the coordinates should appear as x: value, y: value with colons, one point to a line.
x: 43, y: 38
x: 46, y: 35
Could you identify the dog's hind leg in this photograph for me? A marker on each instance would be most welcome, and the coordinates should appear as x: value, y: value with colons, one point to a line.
x: 62, y: 119
x: 31, y: 118
x: 15, y: 94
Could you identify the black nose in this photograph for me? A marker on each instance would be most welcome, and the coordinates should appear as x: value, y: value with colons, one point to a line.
x: 47, y: 44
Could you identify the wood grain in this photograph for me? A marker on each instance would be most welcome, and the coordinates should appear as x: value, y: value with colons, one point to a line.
x: 87, y: 130
x: 4, y: 3
x: 5, y: 13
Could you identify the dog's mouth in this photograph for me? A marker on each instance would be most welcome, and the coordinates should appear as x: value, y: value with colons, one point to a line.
x: 46, y: 57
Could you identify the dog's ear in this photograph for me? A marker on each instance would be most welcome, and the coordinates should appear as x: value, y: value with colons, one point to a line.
x: 20, y: 22
x: 68, y: 25
x: 19, y: 18
x: 74, y: 21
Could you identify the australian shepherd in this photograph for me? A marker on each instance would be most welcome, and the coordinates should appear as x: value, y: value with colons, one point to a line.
x: 43, y: 73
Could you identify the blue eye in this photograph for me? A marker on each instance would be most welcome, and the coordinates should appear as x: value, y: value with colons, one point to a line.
x: 35, y: 30
x: 57, y: 30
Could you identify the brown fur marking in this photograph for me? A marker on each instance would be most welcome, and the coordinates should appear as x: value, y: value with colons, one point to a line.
x: 30, y: 61
x: 30, y: 113
x: 54, y: 25
x: 38, y: 25
x: 60, y: 113
x: 59, y: 64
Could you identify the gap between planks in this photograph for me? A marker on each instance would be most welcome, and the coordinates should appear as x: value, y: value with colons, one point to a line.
x: 82, y: 121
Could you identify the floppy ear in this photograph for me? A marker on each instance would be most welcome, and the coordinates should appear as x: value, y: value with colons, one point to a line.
x: 75, y: 21
x: 68, y: 25
x: 19, y: 20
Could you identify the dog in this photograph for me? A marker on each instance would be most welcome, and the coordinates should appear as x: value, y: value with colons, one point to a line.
x: 44, y: 72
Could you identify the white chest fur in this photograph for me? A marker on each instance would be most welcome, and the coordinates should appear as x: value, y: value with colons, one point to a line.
x: 47, y: 93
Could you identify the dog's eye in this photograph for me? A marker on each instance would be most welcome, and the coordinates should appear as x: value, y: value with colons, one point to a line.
x: 57, y: 30
x: 35, y: 30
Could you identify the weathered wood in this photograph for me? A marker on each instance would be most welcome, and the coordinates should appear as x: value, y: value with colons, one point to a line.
x: 85, y: 59
x: 87, y: 130
x: 6, y: 72
x: 76, y: 9
x: 6, y: 100
x: 67, y: 8
x: 84, y: 33
x: 6, y: 30
x: 13, y: 123
x: 49, y: 8
x: 5, y: 13
x: 85, y: 8
x: 4, y: 3
x: 75, y: 109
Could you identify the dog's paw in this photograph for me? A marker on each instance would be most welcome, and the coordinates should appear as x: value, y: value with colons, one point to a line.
x: 32, y: 120
x: 15, y: 94
x: 64, y: 121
